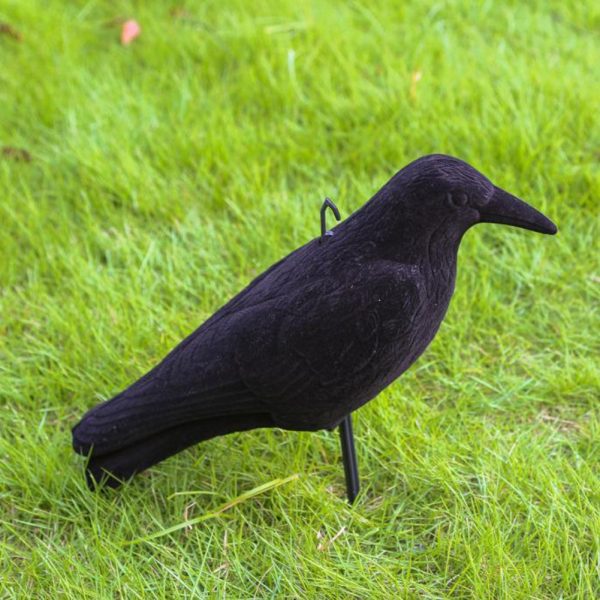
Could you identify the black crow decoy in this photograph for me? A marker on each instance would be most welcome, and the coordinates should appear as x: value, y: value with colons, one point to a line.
x: 315, y: 336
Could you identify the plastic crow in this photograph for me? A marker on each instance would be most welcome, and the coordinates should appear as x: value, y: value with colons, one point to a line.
x: 315, y: 336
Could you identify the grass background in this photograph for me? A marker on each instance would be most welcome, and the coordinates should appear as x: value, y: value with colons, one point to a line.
x: 165, y: 175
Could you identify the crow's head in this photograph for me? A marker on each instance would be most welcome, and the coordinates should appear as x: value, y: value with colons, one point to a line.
x: 442, y: 189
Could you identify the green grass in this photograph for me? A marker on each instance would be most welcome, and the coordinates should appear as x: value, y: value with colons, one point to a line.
x: 166, y: 174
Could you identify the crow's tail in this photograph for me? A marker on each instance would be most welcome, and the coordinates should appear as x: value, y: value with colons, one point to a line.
x: 113, y: 468
x: 141, y: 426
x: 134, y: 415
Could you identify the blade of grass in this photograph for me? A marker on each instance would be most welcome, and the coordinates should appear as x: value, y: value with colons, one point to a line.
x: 261, y: 489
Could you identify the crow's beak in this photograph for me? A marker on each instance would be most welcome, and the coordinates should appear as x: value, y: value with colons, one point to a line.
x: 509, y: 210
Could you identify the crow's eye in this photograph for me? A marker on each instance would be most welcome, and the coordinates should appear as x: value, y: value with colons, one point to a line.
x: 457, y: 198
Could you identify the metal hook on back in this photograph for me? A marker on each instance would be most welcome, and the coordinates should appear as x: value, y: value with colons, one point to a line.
x: 328, y: 204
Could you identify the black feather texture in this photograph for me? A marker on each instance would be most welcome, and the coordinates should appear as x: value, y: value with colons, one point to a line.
x: 319, y: 333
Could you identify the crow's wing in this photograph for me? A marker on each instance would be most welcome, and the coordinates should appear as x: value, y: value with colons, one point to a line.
x: 334, y: 344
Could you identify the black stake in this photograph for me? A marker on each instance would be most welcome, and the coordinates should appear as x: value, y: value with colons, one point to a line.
x: 349, y: 458
x: 346, y: 434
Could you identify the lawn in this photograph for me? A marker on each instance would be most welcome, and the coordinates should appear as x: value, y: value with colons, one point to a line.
x: 143, y: 185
